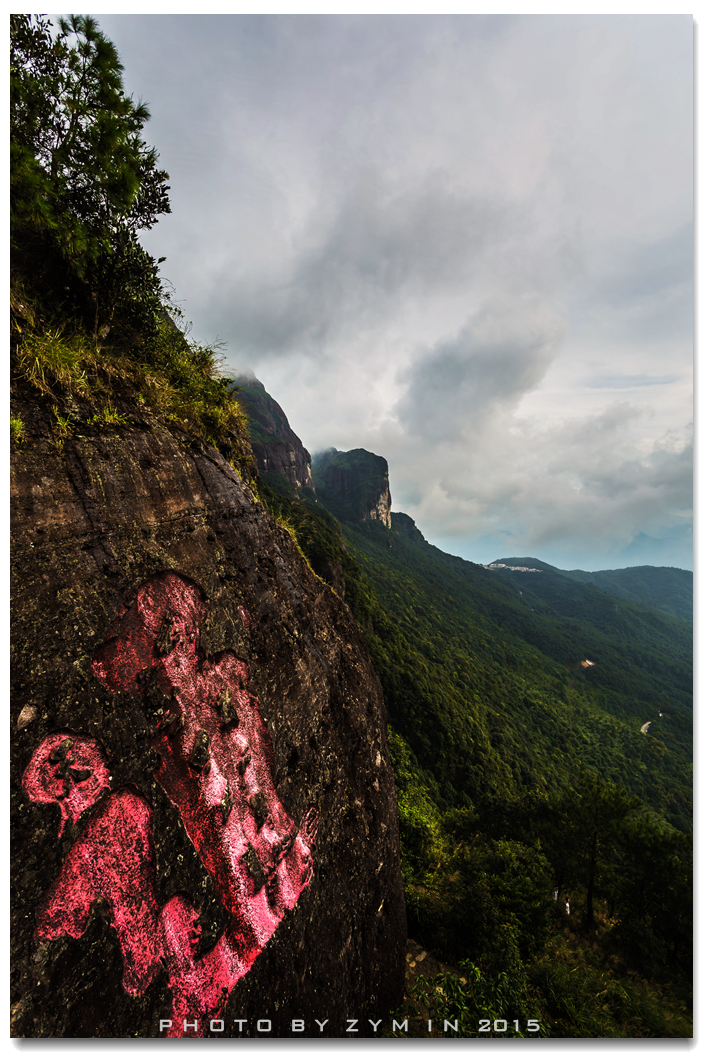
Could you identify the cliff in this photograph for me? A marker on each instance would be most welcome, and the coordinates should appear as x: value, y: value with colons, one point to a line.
x: 282, y: 459
x: 353, y: 485
x: 203, y: 813
x: 407, y: 528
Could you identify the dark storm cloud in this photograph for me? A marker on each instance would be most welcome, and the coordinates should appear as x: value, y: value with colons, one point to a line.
x: 665, y: 474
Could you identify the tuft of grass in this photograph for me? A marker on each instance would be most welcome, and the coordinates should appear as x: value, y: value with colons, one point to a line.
x: 185, y: 383
x: 286, y: 525
x: 110, y: 416
x: 53, y: 359
x: 62, y: 426
x: 181, y: 382
x: 16, y: 430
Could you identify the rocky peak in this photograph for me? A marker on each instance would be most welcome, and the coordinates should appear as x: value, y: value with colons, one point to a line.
x: 354, y: 485
x: 406, y: 527
x: 282, y: 459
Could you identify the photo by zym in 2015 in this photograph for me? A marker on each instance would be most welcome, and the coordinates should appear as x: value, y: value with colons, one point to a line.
x: 351, y: 684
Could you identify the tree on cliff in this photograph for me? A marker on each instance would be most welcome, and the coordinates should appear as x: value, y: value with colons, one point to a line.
x: 83, y: 181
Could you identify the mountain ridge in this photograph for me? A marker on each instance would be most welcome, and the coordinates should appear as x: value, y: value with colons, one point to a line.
x: 281, y: 456
x: 249, y: 733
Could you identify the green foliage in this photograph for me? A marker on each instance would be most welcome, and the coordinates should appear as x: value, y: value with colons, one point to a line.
x: 110, y: 417
x: 174, y: 379
x: 665, y: 588
x: 650, y: 897
x: 83, y: 182
x: 90, y: 328
x: 183, y: 382
x: 52, y: 360
x: 420, y: 829
x: 468, y: 904
x: 488, y: 690
x: 587, y: 998
x: 16, y: 430
x: 317, y: 533
x: 498, y: 1005
x: 519, y: 774
x: 587, y: 823
x: 62, y: 425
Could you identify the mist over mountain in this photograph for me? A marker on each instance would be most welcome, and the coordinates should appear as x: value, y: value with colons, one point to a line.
x: 279, y: 765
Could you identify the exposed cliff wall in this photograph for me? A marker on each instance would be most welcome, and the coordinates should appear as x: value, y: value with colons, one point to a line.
x: 278, y: 450
x: 196, y: 730
x: 354, y: 485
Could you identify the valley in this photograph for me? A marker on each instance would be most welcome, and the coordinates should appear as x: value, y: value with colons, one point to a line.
x: 516, y: 697
x: 276, y: 761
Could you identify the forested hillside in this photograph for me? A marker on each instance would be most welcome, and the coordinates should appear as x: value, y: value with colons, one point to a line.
x: 523, y: 772
x: 506, y: 650
x: 666, y: 588
x: 540, y: 727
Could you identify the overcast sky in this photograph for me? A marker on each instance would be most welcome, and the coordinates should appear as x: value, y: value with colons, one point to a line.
x: 462, y: 242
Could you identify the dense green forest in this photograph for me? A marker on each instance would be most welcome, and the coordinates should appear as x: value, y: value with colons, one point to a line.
x: 666, y: 588
x: 506, y: 650
x: 520, y: 772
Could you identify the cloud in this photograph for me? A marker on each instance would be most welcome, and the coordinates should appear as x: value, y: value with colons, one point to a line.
x: 456, y: 241
x: 502, y: 352
x: 368, y: 250
x: 628, y: 382
x: 581, y: 487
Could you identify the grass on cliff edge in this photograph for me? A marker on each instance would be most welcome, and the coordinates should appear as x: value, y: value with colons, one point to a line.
x: 179, y: 381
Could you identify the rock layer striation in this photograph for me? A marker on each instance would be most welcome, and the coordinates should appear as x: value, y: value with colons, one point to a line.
x: 247, y: 740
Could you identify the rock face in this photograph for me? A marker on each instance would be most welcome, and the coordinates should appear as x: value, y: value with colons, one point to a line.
x: 406, y: 527
x: 204, y: 822
x: 354, y: 485
x: 280, y: 455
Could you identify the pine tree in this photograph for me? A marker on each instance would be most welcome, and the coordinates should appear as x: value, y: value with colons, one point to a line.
x: 83, y: 181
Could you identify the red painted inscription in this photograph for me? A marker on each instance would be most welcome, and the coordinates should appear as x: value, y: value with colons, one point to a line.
x: 216, y: 766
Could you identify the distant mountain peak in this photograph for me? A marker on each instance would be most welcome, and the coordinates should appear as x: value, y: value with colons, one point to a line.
x: 667, y: 589
x: 353, y: 485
